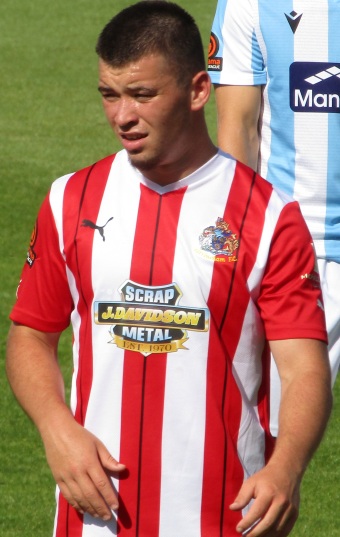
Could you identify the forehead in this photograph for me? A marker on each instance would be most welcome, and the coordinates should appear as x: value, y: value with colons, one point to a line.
x: 149, y: 68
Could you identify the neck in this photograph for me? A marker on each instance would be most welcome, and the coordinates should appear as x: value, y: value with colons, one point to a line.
x: 191, y: 159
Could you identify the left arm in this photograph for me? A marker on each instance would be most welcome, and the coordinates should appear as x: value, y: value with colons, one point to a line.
x: 238, y: 114
x: 304, y: 412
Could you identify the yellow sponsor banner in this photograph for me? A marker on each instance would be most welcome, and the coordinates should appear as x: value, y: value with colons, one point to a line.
x: 149, y: 348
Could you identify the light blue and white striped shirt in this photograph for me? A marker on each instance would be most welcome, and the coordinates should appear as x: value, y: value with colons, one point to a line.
x: 293, y: 50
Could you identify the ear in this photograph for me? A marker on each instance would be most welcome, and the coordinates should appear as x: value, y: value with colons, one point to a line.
x: 200, y: 90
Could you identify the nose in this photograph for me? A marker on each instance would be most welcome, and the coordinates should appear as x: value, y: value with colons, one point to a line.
x: 124, y: 113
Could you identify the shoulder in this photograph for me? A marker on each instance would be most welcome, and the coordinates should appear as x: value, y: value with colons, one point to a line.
x: 69, y: 192
x: 75, y: 182
x: 237, y: 9
x: 243, y: 172
x: 79, y: 175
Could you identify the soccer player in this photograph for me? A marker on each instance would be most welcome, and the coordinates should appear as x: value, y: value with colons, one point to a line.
x: 276, y: 67
x: 179, y: 268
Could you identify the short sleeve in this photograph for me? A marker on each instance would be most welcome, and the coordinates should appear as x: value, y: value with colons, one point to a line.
x: 290, y: 300
x: 235, y: 57
x: 44, y: 301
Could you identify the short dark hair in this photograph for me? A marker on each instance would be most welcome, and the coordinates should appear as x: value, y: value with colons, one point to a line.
x: 154, y: 27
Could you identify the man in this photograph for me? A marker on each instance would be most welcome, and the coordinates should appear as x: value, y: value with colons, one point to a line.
x: 275, y: 66
x: 167, y: 258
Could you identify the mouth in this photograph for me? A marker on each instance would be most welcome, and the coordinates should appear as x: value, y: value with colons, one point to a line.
x: 133, y: 141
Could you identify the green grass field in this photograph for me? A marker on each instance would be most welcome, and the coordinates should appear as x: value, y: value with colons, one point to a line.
x: 51, y: 123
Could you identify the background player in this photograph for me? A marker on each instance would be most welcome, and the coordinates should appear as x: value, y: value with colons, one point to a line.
x: 173, y: 294
x: 276, y: 69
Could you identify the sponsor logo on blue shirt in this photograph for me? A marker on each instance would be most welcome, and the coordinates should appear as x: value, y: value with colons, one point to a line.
x: 315, y: 87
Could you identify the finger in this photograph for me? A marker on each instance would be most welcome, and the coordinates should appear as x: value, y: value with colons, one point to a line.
x: 107, y: 461
x: 264, y: 528
x: 277, y: 521
x: 287, y: 528
x: 104, y: 486
x: 70, y: 497
x: 86, y: 495
x: 256, y: 515
x: 288, y: 519
x: 245, y: 495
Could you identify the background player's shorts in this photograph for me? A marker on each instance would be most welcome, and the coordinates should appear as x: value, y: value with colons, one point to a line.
x: 330, y: 283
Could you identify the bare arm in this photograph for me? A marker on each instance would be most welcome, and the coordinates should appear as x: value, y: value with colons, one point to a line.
x: 78, y: 460
x: 304, y: 412
x: 238, y: 113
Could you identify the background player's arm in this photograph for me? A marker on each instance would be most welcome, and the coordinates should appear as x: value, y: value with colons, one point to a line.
x: 77, y: 459
x: 305, y: 407
x: 238, y: 113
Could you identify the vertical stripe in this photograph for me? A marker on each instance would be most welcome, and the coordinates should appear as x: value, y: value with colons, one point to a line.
x: 311, y: 129
x: 111, y: 260
x: 277, y: 165
x: 69, y: 523
x: 263, y: 406
x: 332, y: 232
x: 86, y: 186
x: 184, y: 424
x: 78, y: 249
x: 144, y: 376
x: 229, y: 317
x: 172, y: 437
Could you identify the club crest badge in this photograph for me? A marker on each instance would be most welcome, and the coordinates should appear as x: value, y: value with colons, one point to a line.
x: 219, y: 239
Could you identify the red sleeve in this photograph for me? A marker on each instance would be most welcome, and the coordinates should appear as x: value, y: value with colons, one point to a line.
x: 44, y: 300
x: 290, y: 298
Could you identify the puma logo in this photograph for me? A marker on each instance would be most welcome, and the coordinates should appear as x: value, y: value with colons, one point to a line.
x: 92, y: 225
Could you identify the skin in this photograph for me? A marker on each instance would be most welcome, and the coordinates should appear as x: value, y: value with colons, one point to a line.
x: 79, y: 462
x: 238, y: 115
x: 81, y: 465
x: 162, y: 127
x: 304, y: 411
x: 159, y: 122
x: 239, y: 110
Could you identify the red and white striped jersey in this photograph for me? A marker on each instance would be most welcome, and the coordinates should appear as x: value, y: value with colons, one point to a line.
x: 173, y: 293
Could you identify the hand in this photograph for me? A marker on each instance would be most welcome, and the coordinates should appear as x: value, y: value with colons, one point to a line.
x: 81, y: 464
x: 274, y: 510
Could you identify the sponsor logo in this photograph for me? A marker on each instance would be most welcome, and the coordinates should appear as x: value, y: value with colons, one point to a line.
x: 219, y: 240
x: 214, y: 62
x: 92, y: 225
x: 314, y: 276
x: 148, y: 319
x: 293, y: 19
x: 315, y: 87
x: 31, y: 255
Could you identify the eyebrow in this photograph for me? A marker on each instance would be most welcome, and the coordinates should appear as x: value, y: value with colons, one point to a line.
x: 103, y: 88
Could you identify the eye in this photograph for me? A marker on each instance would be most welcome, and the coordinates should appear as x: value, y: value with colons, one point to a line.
x: 110, y: 97
x: 107, y: 94
x: 144, y: 96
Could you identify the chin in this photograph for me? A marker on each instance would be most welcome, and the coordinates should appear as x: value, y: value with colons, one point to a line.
x: 143, y: 163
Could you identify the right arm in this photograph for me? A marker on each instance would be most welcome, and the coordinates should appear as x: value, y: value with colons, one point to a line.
x: 79, y: 462
x: 238, y: 115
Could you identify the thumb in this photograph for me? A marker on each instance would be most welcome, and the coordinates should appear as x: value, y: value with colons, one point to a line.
x: 108, y: 462
x: 243, y: 498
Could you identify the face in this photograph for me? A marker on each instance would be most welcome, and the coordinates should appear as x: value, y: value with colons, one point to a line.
x: 149, y: 112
